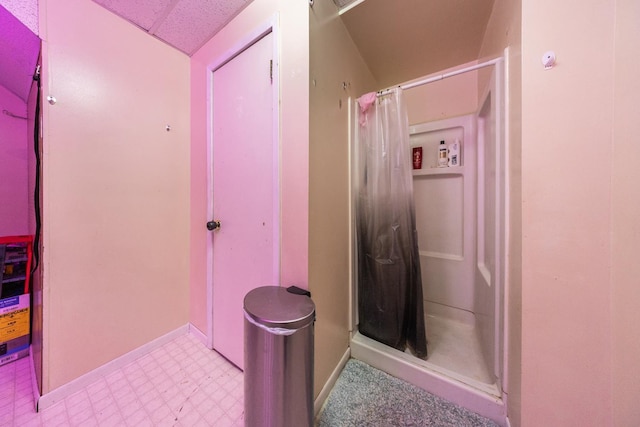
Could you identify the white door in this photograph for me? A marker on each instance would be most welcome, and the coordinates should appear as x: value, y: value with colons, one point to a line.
x: 245, y: 190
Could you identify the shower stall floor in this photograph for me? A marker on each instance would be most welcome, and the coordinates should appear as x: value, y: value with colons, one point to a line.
x: 454, y: 369
x: 454, y: 345
x: 453, y: 352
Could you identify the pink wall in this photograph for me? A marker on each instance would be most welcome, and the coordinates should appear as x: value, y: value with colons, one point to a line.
x: 294, y: 140
x: 116, y: 189
x: 567, y: 122
x: 14, y: 205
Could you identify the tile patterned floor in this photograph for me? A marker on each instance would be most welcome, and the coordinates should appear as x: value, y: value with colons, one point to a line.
x: 180, y: 384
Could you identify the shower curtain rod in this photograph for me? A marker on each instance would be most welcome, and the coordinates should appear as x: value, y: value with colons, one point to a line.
x: 405, y: 86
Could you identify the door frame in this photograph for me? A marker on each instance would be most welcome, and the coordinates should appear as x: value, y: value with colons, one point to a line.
x: 495, y: 93
x: 270, y: 26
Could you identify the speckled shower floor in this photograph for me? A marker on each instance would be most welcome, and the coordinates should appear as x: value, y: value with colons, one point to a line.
x: 365, y: 396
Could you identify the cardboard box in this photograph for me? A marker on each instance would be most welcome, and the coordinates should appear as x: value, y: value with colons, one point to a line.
x: 14, y: 328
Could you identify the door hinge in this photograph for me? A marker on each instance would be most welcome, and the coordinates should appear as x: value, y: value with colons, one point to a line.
x: 271, y: 70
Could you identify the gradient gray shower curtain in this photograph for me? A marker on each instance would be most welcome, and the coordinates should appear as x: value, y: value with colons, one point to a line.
x: 390, y: 306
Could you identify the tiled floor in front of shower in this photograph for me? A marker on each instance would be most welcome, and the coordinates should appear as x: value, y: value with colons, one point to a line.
x: 179, y: 384
x: 185, y: 384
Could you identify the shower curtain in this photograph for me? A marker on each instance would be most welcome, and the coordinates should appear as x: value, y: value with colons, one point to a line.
x: 390, y: 306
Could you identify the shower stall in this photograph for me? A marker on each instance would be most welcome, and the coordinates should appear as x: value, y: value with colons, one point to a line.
x: 460, y: 223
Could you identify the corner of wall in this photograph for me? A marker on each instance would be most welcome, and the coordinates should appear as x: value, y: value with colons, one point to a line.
x: 338, y: 74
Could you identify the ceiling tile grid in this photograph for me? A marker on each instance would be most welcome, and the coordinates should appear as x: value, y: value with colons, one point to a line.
x: 143, y: 13
x: 192, y: 22
x: 183, y: 24
x: 25, y: 10
x: 19, y: 50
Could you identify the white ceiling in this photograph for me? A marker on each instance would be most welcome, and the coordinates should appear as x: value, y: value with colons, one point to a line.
x: 399, y: 40
x: 184, y: 24
x: 19, y: 47
x: 25, y: 10
x: 404, y: 39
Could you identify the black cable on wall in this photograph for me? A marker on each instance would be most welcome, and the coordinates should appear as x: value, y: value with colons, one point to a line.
x: 36, y: 192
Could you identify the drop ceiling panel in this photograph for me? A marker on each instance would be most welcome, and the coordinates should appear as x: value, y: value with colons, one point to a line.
x: 183, y: 24
x: 143, y: 13
x: 19, y: 50
x: 192, y: 22
x: 25, y: 10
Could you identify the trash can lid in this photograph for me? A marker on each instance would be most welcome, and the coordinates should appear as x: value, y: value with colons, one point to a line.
x: 274, y: 306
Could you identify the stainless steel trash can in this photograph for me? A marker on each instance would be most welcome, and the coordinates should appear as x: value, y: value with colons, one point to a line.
x: 278, y: 358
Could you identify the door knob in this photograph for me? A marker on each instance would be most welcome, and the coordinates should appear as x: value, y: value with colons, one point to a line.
x: 212, y: 225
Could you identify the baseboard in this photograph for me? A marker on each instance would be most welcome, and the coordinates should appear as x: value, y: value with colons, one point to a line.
x: 328, y: 386
x: 200, y: 336
x: 83, y: 381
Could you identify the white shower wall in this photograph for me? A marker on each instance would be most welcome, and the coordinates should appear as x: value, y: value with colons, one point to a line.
x: 445, y: 201
x: 458, y: 213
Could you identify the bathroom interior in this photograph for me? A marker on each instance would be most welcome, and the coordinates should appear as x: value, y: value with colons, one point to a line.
x: 460, y: 209
x: 560, y: 300
x: 457, y: 207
